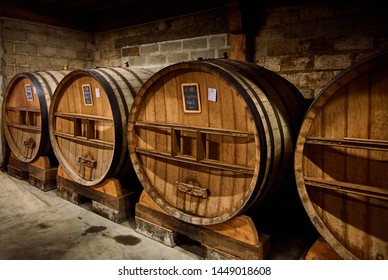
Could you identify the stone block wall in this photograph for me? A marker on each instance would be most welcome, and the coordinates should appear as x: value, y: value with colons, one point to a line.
x: 159, y: 44
x: 156, y: 56
x: 29, y: 47
x: 309, y: 43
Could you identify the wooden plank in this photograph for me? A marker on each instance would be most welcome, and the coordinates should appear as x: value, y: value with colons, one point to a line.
x: 210, y: 130
x: 207, y: 237
x: 238, y: 46
x: 377, y: 244
x: 173, y: 115
x: 84, y: 140
x: 39, y: 172
x: 24, y: 127
x: 84, y: 116
x: 111, y: 186
x: 334, y: 162
x: 370, y: 144
x: 321, y: 250
x: 204, y: 163
x: 358, y: 116
x: 26, y: 109
x: 118, y: 203
x: 240, y: 228
x: 346, y: 187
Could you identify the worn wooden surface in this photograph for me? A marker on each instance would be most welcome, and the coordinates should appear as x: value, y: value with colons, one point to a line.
x: 25, y: 117
x: 108, y: 198
x: 40, y: 172
x: 322, y: 251
x: 341, y: 161
x: 88, y: 127
x: 207, y: 167
x: 234, y: 239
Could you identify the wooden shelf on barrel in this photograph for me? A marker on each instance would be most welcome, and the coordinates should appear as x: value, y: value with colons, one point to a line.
x: 85, y: 129
x: 27, y: 118
x: 200, y: 140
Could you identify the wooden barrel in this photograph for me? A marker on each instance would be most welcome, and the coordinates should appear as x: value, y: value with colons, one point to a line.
x: 209, y: 139
x: 341, y: 161
x: 25, y: 113
x: 88, y: 121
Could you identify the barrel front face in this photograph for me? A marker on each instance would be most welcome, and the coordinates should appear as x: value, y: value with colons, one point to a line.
x: 25, y: 110
x: 83, y: 127
x: 203, y: 140
x: 88, y: 120
x: 341, y: 161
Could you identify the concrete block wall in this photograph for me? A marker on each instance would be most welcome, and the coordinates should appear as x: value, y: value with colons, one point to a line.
x: 156, y: 56
x: 159, y: 44
x: 306, y: 42
x: 310, y: 43
x: 29, y: 47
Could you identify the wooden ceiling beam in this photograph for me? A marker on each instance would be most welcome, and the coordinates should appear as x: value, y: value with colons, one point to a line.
x: 237, y: 36
x: 13, y: 11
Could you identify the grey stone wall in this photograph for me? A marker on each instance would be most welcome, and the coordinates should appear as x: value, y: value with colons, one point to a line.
x: 155, y: 56
x: 310, y: 43
x: 307, y: 42
x: 29, y: 47
x: 162, y: 43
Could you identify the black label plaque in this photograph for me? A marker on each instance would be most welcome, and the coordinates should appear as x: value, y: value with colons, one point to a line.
x: 88, y: 100
x: 191, y: 98
x: 29, y: 92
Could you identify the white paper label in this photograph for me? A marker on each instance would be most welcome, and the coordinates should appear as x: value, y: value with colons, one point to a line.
x: 97, y: 92
x: 212, y: 94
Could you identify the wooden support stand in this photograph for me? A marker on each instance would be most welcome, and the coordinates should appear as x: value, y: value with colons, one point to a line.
x: 322, y: 251
x: 40, y: 173
x: 108, y: 198
x: 233, y: 239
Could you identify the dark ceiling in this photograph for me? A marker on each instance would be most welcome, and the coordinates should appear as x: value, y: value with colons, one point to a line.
x: 102, y: 15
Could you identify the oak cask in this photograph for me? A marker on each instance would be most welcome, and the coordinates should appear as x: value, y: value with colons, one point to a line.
x: 88, y: 121
x: 341, y: 161
x: 211, y: 138
x: 25, y: 109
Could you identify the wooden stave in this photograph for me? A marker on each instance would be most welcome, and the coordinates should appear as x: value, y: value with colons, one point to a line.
x: 273, y: 85
x: 255, y: 197
x: 116, y: 81
x: 44, y: 84
x: 342, y: 248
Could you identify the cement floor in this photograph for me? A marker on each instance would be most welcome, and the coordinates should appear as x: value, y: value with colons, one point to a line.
x: 37, y: 225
